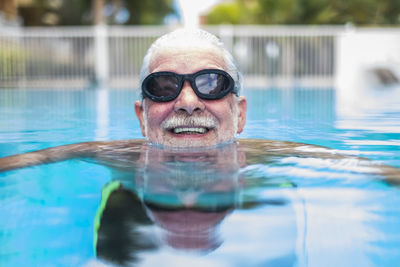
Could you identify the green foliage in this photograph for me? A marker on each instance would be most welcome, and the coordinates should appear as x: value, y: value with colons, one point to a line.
x: 79, y: 12
x: 282, y: 11
x: 76, y: 12
x: 225, y: 14
x: 12, y: 61
x: 362, y: 12
x: 148, y: 12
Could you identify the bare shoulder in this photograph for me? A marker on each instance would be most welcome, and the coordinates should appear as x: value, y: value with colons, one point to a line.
x: 59, y: 153
x: 256, y: 148
x: 287, y: 147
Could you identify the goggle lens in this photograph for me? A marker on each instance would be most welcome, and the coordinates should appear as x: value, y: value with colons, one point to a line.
x: 162, y: 86
x: 212, y: 84
x: 207, y: 84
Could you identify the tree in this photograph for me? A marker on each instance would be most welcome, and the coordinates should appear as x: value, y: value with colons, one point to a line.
x: 362, y: 12
x: 148, y: 12
x: 9, y: 8
x: 84, y: 12
x: 134, y: 12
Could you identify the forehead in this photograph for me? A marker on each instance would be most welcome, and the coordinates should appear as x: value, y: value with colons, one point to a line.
x: 187, y: 60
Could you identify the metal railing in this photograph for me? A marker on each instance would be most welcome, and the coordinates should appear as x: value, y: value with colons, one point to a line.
x: 83, y: 56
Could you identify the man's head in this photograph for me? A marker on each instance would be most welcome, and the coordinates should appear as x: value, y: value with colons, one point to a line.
x: 186, y: 118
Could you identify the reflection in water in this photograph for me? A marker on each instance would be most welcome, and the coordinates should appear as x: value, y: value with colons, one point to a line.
x: 118, y: 237
x: 173, y: 198
x: 196, y: 200
x: 186, y: 194
x: 250, y: 203
x: 343, y: 216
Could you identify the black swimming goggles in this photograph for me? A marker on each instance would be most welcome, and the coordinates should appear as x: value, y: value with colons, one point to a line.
x: 209, y: 84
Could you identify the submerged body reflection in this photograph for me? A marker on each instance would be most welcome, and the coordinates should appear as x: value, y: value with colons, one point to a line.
x: 238, y: 203
x: 186, y: 194
x: 212, y: 201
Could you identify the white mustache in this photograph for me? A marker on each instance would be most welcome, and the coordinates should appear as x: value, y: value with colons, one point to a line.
x: 179, y: 120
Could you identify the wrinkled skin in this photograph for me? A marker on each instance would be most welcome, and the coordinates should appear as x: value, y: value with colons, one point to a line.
x: 228, y: 114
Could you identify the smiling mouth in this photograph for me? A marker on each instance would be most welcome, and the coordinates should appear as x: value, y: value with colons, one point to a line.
x: 189, y: 130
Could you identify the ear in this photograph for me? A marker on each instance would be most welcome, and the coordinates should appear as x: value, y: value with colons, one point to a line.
x: 139, y: 109
x: 242, y: 108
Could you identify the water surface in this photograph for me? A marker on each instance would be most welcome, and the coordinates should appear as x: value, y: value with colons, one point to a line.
x: 253, y: 203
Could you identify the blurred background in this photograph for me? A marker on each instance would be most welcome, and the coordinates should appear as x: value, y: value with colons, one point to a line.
x: 123, y: 12
x: 349, y: 49
x: 81, y: 44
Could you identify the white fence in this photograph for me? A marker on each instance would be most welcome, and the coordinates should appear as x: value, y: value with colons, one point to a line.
x: 82, y: 56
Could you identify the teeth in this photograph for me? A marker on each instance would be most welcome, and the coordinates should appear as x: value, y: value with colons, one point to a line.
x: 199, y: 130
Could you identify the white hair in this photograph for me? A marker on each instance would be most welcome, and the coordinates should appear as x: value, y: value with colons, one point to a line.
x: 192, y: 38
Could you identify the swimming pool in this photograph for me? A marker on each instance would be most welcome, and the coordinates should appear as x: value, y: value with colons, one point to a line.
x: 283, y: 209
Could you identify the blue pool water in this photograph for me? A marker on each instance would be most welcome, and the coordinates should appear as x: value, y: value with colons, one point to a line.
x: 300, y: 207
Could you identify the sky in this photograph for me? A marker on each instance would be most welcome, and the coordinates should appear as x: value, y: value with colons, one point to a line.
x: 191, y: 9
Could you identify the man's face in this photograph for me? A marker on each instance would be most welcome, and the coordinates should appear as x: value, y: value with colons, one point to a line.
x: 209, y: 122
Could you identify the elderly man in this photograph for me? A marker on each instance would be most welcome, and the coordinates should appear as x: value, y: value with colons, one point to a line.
x: 190, y: 86
x: 190, y: 99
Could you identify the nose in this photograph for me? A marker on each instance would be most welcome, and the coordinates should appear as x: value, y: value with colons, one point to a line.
x: 188, y: 101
